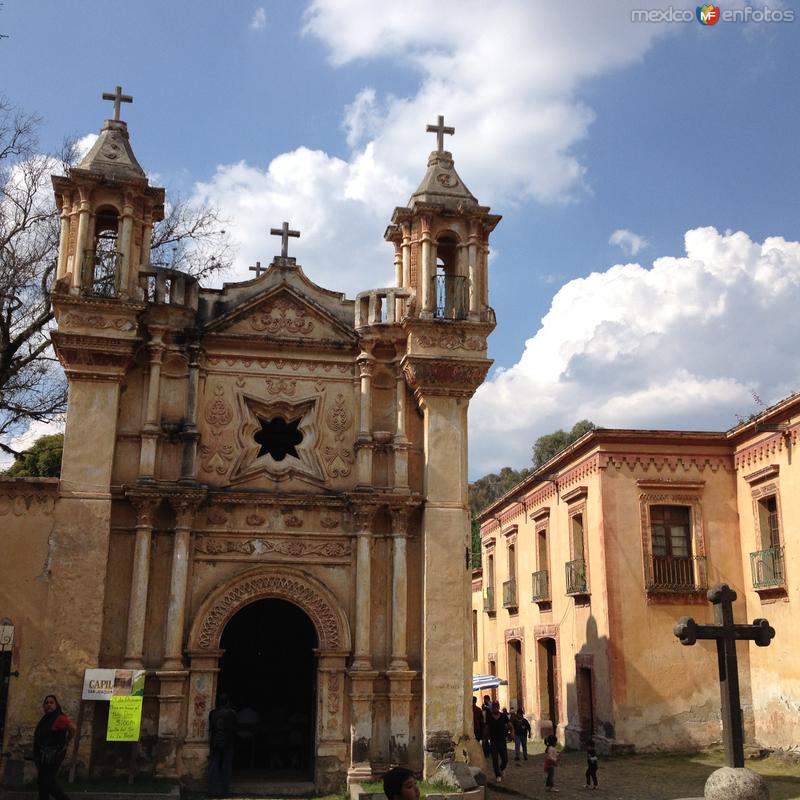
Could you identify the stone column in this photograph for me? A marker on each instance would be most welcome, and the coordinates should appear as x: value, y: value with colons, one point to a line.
x: 428, y: 268
x: 152, y: 425
x: 474, y: 277
x: 399, y: 675
x: 190, y: 433
x: 363, y: 517
x: 63, y: 239
x: 366, y: 365
x: 184, y: 506
x: 125, y: 245
x: 80, y: 241
x: 406, y: 248
x: 484, y: 271
x: 137, y: 610
x: 147, y: 236
x: 400, y: 438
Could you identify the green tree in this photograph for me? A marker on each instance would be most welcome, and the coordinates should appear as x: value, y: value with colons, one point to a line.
x: 552, y: 444
x: 41, y: 460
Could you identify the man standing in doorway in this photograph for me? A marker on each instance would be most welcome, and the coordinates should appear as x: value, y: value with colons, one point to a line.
x: 222, y: 735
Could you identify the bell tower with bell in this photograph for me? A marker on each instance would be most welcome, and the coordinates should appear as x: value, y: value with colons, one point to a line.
x: 441, y: 241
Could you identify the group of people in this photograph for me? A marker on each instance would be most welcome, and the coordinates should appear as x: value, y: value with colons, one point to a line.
x: 492, y: 726
x: 495, y: 728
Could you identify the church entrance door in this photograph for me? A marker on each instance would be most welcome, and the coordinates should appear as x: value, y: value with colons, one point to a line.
x: 269, y: 672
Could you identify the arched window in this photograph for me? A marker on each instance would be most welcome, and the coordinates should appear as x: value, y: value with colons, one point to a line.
x: 102, y: 262
x: 450, y: 289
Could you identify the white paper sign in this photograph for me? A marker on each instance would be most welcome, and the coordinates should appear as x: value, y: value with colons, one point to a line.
x: 98, y: 684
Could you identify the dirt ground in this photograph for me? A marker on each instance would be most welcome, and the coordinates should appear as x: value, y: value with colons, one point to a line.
x: 639, y: 777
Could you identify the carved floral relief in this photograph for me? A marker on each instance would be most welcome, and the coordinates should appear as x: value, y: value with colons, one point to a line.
x: 282, y: 316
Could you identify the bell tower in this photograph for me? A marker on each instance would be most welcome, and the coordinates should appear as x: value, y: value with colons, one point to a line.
x: 441, y: 241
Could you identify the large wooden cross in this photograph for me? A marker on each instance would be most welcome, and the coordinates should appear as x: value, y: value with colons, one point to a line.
x: 284, y: 233
x: 726, y: 633
x: 440, y: 130
x: 118, y: 98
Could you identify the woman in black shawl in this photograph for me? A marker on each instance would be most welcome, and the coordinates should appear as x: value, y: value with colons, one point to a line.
x: 50, y: 740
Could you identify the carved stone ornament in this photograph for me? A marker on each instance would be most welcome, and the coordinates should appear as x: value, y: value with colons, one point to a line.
x: 285, y: 583
x: 216, y: 516
x: 451, y: 341
x: 282, y: 316
x: 333, y: 693
x: 218, y: 413
x: 329, y: 523
x: 339, y: 417
x: 285, y: 386
x: 293, y: 521
x: 306, y: 463
x: 293, y: 548
x: 445, y: 377
x: 97, y: 321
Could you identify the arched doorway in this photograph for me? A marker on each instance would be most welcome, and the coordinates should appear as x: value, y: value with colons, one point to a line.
x: 268, y: 670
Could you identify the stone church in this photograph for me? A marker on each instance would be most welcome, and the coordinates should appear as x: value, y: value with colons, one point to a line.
x: 263, y: 490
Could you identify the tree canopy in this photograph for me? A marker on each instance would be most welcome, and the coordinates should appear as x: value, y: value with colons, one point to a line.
x: 41, y: 460
x: 32, y: 388
x: 550, y: 445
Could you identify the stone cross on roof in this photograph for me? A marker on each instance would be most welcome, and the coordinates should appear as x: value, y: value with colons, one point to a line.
x: 440, y: 130
x: 118, y: 98
x: 284, y: 233
x: 258, y: 269
x: 726, y: 633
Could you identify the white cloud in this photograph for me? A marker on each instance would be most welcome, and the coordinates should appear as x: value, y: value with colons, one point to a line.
x: 630, y: 242
x: 24, y: 440
x: 683, y: 343
x: 506, y: 76
x: 259, y: 20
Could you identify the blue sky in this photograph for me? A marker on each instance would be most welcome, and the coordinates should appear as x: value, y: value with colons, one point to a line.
x: 572, y: 125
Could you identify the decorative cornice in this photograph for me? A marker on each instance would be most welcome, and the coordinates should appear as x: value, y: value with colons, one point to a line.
x: 763, y: 474
x: 444, y: 376
x: 666, y: 485
x: 575, y: 494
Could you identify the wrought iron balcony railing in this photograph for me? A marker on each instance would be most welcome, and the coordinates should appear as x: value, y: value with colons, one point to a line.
x: 101, y: 272
x: 767, y: 568
x: 676, y: 574
x: 451, y: 296
x: 541, y: 586
x: 576, y: 576
x: 510, y: 593
x: 488, y: 600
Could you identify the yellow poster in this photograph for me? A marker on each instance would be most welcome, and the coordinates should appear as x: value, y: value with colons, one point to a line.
x: 124, y: 718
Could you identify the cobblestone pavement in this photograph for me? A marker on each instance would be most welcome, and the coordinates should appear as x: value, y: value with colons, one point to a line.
x: 641, y: 777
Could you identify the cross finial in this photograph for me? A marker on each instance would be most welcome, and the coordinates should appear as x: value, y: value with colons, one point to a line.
x: 118, y: 98
x: 284, y: 233
x: 258, y: 269
x: 440, y: 130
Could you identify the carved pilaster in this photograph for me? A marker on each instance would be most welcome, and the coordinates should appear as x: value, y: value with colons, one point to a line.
x: 185, y: 506
x: 363, y: 517
x: 145, y: 505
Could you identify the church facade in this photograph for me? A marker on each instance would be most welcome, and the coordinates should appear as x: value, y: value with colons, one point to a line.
x: 263, y: 491
x: 588, y: 564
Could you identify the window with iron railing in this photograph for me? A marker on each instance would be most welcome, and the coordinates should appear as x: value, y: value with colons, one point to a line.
x: 510, y: 593
x: 673, y: 567
x: 540, y: 586
x: 767, y: 568
x: 451, y: 296
x: 488, y: 599
x: 576, y: 577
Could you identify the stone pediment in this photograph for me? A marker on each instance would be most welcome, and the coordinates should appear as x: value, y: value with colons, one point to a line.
x: 282, y: 314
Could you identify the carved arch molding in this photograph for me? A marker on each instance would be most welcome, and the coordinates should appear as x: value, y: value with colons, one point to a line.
x: 293, y: 585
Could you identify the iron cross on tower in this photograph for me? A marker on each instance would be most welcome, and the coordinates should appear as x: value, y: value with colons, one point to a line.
x: 726, y: 633
x: 440, y: 130
x: 284, y: 233
x: 118, y: 98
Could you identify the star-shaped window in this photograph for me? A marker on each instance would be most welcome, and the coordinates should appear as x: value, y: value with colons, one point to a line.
x: 278, y: 437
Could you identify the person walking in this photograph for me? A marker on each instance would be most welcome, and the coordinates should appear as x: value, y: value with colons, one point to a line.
x: 222, y: 738
x: 50, y: 739
x: 522, y: 730
x: 477, y: 720
x: 551, y: 759
x: 591, y: 766
x: 499, y: 730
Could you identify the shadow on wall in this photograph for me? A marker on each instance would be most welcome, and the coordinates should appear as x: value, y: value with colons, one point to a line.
x: 641, y: 691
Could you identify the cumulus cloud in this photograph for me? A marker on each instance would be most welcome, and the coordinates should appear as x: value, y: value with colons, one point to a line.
x: 680, y: 344
x: 506, y: 76
x: 630, y: 242
x: 23, y: 441
x: 259, y: 20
